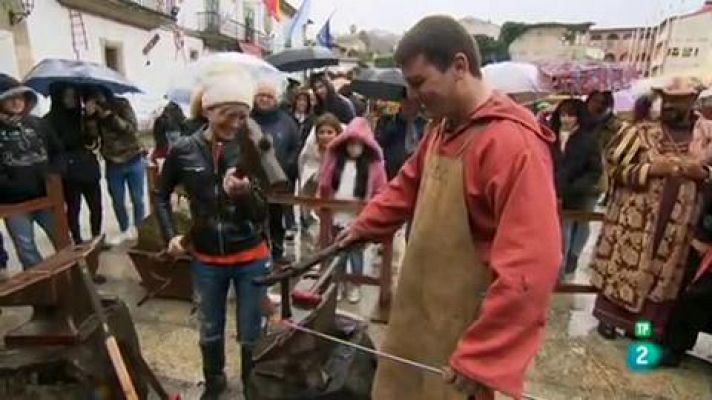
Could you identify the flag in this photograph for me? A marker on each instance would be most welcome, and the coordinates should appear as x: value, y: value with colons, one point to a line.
x: 300, y: 19
x: 273, y: 9
x: 324, y: 38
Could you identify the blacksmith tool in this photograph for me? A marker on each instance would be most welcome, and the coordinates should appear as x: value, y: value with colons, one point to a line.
x: 112, y: 347
x: 300, y: 267
x: 165, y: 280
x: 377, y: 353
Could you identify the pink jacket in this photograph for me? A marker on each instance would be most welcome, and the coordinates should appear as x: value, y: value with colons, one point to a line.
x: 359, y: 129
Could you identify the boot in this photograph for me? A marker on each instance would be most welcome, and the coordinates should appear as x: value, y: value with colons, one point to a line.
x: 215, y: 386
x: 671, y: 358
x: 607, y: 331
x: 246, y: 364
x: 213, y: 365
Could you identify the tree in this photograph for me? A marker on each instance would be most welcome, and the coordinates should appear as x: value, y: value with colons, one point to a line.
x: 491, y: 50
x: 510, y: 31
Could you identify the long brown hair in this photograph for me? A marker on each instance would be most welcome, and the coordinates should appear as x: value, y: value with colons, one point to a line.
x: 328, y: 119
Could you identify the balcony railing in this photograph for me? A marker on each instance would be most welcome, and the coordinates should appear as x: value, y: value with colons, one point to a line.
x: 162, y: 6
x: 212, y: 22
x: 144, y: 14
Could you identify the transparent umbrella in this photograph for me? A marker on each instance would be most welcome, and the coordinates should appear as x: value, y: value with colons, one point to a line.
x: 520, y: 80
x: 221, y: 64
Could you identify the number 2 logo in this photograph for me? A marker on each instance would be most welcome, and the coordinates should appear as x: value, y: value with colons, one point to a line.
x: 642, y: 355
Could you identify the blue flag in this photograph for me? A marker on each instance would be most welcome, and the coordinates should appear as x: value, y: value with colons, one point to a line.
x: 300, y: 19
x: 324, y: 38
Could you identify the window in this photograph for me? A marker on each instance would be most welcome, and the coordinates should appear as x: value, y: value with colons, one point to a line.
x: 596, y: 37
x: 623, y: 57
x: 194, y: 54
x: 613, y: 36
x: 697, y: 51
x: 113, y: 56
x: 627, y: 36
x: 674, y: 52
x: 687, y: 52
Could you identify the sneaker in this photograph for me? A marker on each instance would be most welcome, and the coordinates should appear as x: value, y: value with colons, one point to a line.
x: 118, y: 239
x: 354, y: 295
x: 132, y: 234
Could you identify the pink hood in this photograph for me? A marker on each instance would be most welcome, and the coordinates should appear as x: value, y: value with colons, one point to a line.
x: 358, y: 129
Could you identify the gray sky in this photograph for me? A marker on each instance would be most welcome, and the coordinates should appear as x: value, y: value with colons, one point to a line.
x: 398, y: 15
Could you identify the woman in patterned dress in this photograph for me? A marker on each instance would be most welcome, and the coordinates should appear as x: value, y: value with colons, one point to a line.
x: 641, y: 253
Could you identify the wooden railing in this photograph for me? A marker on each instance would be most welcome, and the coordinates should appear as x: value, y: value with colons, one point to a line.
x: 54, y: 201
x: 325, y: 207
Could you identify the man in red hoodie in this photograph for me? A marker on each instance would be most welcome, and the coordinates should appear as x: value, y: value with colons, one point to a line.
x: 483, y: 253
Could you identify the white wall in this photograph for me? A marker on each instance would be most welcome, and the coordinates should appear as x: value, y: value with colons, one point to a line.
x: 545, y: 44
x: 8, y: 60
x: 50, y: 37
x: 690, y: 32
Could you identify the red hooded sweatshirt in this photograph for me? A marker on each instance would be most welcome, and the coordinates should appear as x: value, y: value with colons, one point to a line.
x: 513, y: 214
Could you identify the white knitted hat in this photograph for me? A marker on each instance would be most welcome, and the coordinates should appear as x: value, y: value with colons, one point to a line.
x: 232, y: 88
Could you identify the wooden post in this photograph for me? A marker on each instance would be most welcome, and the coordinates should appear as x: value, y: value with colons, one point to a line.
x: 55, y: 193
x: 383, y: 312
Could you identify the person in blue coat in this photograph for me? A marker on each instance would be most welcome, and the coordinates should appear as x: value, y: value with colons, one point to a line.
x: 399, y: 135
x: 280, y: 126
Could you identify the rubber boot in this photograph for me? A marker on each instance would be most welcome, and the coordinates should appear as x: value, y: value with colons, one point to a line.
x: 213, y: 365
x: 246, y: 366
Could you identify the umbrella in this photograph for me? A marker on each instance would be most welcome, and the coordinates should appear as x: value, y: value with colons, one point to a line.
x: 581, y: 78
x: 515, y: 78
x: 301, y: 59
x: 53, y: 70
x: 381, y: 83
x: 623, y: 100
x: 220, y: 64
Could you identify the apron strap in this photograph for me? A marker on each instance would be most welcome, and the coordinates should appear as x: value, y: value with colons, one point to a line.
x: 474, y: 128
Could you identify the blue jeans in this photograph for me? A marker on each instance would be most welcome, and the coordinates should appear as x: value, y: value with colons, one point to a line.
x: 22, y: 232
x: 575, y: 236
x: 353, y: 257
x: 118, y: 176
x: 211, y: 284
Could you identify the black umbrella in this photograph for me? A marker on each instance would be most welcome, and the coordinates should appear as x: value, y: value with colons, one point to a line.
x: 381, y: 83
x: 50, y: 70
x: 301, y: 59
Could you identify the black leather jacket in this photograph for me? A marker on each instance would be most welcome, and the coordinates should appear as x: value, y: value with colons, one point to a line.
x: 221, y: 225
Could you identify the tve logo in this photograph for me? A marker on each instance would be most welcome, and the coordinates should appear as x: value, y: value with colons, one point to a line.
x: 643, y: 356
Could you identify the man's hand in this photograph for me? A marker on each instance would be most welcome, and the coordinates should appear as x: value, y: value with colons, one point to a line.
x: 348, y: 237
x: 664, y: 168
x: 103, y: 113
x: 235, y: 186
x: 463, y: 384
x: 701, y: 247
x: 175, y: 246
x: 694, y: 171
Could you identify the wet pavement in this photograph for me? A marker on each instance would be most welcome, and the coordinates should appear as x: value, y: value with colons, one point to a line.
x: 574, y: 363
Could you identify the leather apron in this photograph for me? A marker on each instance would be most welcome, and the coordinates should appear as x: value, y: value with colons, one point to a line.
x: 441, y: 285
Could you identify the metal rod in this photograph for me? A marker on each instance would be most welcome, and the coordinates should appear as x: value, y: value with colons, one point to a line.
x: 391, y: 357
x: 377, y: 353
